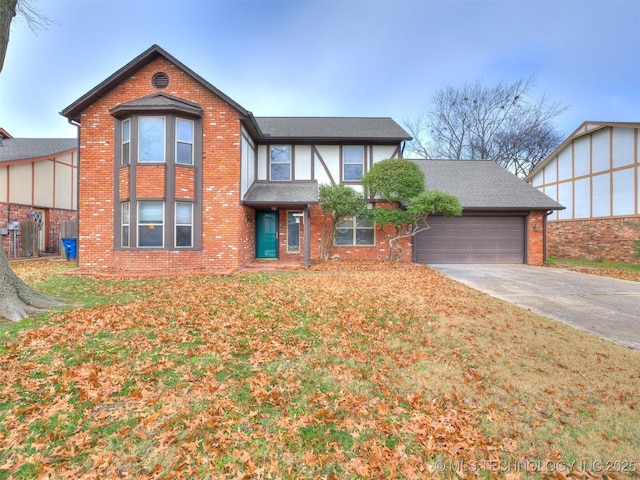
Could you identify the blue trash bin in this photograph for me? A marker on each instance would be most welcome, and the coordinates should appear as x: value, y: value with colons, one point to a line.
x: 70, y: 248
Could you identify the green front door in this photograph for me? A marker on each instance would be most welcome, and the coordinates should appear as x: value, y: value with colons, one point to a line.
x: 266, y: 234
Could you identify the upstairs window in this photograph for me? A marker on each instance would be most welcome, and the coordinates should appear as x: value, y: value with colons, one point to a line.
x: 184, y: 141
x: 151, y: 139
x: 126, y: 142
x: 352, y: 163
x: 280, y: 162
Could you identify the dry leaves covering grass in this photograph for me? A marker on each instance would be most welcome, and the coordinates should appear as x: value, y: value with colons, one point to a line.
x: 346, y: 370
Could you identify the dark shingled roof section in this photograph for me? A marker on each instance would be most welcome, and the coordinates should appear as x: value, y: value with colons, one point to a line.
x: 332, y: 128
x: 12, y: 149
x: 483, y: 184
x: 279, y: 193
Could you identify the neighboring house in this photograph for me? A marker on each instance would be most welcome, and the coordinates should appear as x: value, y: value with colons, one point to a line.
x: 595, y: 173
x: 175, y: 175
x: 38, y: 181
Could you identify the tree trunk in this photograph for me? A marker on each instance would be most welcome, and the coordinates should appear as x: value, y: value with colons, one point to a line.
x: 17, y: 299
x: 7, y: 12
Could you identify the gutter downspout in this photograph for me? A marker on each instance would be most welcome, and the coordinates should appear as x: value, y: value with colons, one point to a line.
x: 78, y: 126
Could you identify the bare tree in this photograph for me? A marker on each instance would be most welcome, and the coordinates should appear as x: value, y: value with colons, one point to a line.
x: 23, y: 9
x: 17, y: 299
x: 503, y: 123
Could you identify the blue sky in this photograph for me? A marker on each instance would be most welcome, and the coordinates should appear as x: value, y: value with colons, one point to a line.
x: 331, y: 58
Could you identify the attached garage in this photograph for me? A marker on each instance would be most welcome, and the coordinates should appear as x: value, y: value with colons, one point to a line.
x: 472, y: 239
x: 503, y: 218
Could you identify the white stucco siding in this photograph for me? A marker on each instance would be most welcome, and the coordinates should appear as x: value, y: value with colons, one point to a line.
x: 601, y: 150
x: 565, y: 164
x: 551, y: 171
x: 20, y: 186
x: 382, y: 152
x: 601, y: 195
x: 537, y: 179
x: 303, y: 162
x: 247, y: 172
x: 65, y: 186
x: 551, y: 191
x: 43, y: 184
x: 328, y: 159
x: 623, y: 149
x: 623, y: 192
x: 581, y: 157
x: 582, y: 198
x: 3, y: 185
x: 565, y: 197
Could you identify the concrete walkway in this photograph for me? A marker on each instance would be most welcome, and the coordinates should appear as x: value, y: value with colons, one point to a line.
x: 605, y: 306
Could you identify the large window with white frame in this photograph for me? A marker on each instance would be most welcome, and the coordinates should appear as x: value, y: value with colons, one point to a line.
x: 150, y: 224
x: 280, y: 161
x: 352, y: 163
x: 355, y: 230
x: 184, y: 224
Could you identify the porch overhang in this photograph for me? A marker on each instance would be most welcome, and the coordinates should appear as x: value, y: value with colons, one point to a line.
x: 281, y: 194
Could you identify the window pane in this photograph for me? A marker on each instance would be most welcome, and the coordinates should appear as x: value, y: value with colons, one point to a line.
x: 280, y: 154
x: 293, y: 232
x: 185, y: 131
x: 364, y: 237
x: 346, y: 222
x: 280, y: 172
x: 183, y: 236
x: 344, y: 236
x: 125, y: 236
x: 184, y: 153
x: 151, y: 139
x: 126, y: 131
x: 183, y: 213
x: 150, y: 212
x: 150, y: 236
x: 125, y: 213
x: 364, y: 221
x: 352, y: 173
x: 353, y: 154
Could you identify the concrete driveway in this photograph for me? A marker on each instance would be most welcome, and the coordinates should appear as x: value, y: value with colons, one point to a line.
x: 605, y: 306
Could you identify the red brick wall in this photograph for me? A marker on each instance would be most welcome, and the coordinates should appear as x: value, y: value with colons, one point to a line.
x: 535, y: 238
x: 19, y: 213
x: 612, y: 239
x: 150, y: 181
x: 185, y: 182
x: 226, y: 241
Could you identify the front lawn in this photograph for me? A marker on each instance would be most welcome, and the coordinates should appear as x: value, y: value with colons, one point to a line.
x: 345, y: 370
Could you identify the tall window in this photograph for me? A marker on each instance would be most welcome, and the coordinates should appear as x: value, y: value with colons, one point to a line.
x: 293, y: 231
x: 126, y: 142
x: 184, y: 141
x: 151, y: 139
x: 125, y: 223
x: 352, y: 163
x: 355, y: 230
x: 150, y: 224
x: 280, y: 162
x: 184, y: 224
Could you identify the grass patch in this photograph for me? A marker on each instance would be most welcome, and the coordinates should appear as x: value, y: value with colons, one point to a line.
x: 343, y: 374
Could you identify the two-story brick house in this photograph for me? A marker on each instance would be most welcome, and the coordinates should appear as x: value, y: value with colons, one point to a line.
x: 174, y: 174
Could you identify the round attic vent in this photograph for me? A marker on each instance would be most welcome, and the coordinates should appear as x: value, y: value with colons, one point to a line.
x: 160, y: 80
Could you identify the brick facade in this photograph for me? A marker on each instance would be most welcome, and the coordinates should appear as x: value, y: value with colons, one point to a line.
x: 611, y: 239
x: 535, y: 238
x: 52, y: 235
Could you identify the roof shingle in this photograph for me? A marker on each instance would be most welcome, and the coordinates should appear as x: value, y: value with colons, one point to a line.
x: 12, y: 149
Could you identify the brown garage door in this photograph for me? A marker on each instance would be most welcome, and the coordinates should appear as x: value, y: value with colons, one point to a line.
x: 482, y: 239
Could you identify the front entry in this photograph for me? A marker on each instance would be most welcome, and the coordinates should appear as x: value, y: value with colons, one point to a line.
x: 266, y: 234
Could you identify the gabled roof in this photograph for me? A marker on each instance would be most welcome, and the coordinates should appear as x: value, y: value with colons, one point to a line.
x: 331, y: 129
x: 281, y: 193
x: 15, y: 149
x: 484, y: 185
x: 584, y: 129
x: 158, y: 101
x: 73, y: 111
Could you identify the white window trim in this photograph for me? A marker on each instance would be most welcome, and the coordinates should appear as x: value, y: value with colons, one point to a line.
x: 139, y: 224
x: 176, y: 225
x: 191, y: 142
x: 290, y: 163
